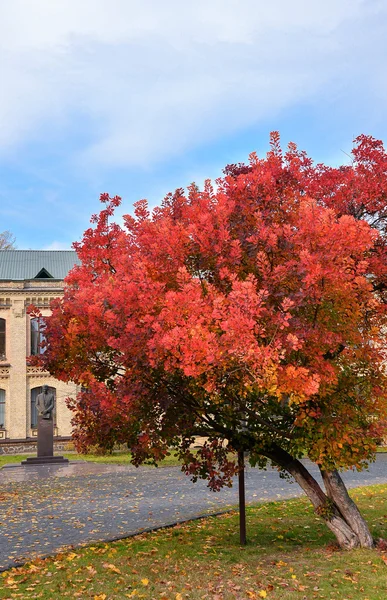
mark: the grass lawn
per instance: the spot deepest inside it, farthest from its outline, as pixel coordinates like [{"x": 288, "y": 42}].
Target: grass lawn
[
  {"x": 118, "y": 458},
  {"x": 290, "y": 555}
]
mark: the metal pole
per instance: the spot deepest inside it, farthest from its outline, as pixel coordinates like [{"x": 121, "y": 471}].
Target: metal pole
[{"x": 242, "y": 503}]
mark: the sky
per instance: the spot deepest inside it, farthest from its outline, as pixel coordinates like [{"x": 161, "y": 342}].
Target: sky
[{"x": 138, "y": 98}]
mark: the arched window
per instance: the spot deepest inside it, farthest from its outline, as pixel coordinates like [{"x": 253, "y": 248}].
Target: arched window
[
  {"x": 2, "y": 339},
  {"x": 37, "y": 336},
  {"x": 34, "y": 413},
  {"x": 2, "y": 409}
]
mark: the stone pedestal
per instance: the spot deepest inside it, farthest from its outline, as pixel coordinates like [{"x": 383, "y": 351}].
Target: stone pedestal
[
  {"x": 45, "y": 445},
  {"x": 45, "y": 437}
]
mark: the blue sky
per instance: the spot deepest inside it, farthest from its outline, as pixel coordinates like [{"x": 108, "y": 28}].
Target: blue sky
[{"x": 138, "y": 98}]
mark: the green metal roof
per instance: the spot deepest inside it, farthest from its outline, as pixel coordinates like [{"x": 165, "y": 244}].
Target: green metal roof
[{"x": 36, "y": 264}]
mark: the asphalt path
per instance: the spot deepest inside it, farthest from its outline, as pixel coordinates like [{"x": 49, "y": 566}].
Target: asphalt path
[{"x": 46, "y": 509}]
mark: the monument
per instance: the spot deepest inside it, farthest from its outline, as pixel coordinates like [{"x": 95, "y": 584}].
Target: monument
[{"x": 45, "y": 404}]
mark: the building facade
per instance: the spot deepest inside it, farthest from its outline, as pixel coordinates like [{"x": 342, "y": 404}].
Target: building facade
[{"x": 29, "y": 277}]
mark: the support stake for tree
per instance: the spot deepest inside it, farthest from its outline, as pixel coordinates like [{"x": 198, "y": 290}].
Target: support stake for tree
[{"x": 242, "y": 502}]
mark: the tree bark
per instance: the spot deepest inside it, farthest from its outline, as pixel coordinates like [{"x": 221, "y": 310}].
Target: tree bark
[
  {"x": 338, "y": 493},
  {"x": 339, "y": 512}
]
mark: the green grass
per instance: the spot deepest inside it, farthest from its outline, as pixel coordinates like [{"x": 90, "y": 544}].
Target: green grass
[
  {"x": 6, "y": 459},
  {"x": 117, "y": 458},
  {"x": 290, "y": 555}
]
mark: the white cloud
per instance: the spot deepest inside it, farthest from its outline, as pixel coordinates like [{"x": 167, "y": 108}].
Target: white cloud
[{"x": 146, "y": 80}]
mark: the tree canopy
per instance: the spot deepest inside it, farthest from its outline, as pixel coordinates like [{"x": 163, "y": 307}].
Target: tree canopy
[{"x": 251, "y": 312}]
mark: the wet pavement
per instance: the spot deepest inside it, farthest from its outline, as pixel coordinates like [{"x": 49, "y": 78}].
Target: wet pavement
[
  {"x": 46, "y": 509},
  {"x": 77, "y": 468}
]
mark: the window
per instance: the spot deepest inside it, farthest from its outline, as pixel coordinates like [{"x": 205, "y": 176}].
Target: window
[
  {"x": 2, "y": 409},
  {"x": 34, "y": 413},
  {"x": 37, "y": 336},
  {"x": 2, "y": 339},
  {"x": 43, "y": 274}
]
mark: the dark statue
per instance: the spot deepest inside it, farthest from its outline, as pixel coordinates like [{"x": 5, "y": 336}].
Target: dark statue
[{"x": 45, "y": 403}]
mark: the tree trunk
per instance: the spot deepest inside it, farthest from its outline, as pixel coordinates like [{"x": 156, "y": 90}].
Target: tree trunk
[
  {"x": 337, "y": 509},
  {"x": 337, "y": 492},
  {"x": 242, "y": 498}
]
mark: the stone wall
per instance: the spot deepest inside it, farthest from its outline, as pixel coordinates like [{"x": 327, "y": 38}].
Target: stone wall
[{"x": 30, "y": 446}]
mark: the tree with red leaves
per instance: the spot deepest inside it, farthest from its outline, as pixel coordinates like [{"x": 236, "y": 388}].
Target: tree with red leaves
[{"x": 251, "y": 314}]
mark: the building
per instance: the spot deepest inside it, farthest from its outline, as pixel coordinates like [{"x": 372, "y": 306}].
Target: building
[{"x": 28, "y": 277}]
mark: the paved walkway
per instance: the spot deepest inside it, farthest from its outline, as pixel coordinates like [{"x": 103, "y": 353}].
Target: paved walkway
[{"x": 46, "y": 509}]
